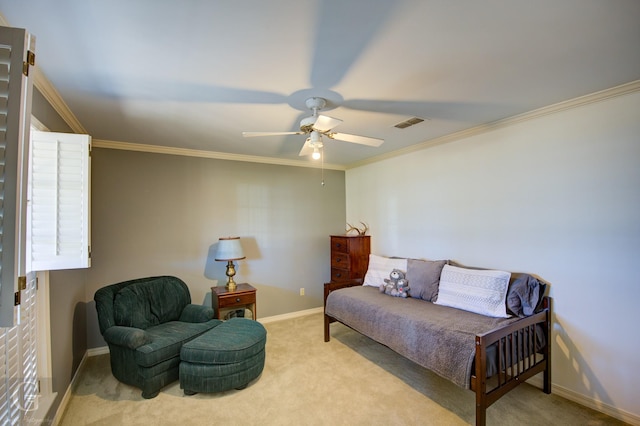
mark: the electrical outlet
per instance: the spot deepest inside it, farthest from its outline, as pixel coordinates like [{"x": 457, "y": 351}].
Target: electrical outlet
[{"x": 301, "y": 291}]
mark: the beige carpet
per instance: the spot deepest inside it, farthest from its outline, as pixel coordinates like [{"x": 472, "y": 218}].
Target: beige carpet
[{"x": 348, "y": 381}]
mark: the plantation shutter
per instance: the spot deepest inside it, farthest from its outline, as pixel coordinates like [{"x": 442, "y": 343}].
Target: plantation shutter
[
  {"x": 18, "y": 366},
  {"x": 15, "y": 114},
  {"x": 59, "y": 232}
]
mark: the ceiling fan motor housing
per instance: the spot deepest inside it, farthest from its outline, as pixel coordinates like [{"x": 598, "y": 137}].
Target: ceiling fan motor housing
[
  {"x": 306, "y": 124},
  {"x": 315, "y": 103}
]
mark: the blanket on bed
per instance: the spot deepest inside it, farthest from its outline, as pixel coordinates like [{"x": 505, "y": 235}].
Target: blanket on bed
[{"x": 436, "y": 337}]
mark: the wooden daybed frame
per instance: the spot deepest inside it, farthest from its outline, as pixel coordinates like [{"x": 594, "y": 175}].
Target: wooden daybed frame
[{"x": 515, "y": 338}]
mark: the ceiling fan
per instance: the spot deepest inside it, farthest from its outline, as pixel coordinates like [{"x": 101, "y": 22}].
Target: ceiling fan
[{"x": 316, "y": 126}]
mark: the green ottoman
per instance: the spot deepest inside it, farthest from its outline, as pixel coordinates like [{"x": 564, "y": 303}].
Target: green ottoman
[{"x": 226, "y": 357}]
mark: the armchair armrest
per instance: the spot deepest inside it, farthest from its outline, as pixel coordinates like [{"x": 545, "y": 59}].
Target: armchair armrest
[
  {"x": 196, "y": 313},
  {"x": 128, "y": 337}
]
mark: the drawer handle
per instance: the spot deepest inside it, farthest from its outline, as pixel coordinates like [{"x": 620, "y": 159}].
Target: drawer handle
[
  {"x": 338, "y": 245},
  {"x": 338, "y": 275},
  {"x": 338, "y": 260},
  {"x": 237, "y": 299}
]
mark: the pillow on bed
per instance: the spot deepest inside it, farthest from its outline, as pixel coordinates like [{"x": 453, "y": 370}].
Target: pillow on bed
[
  {"x": 380, "y": 267},
  {"x": 523, "y": 295},
  {"x": 423, "y": 277},
  {"x": 481, "y": 291}
]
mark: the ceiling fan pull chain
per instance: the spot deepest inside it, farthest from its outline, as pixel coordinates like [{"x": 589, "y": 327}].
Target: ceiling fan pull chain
[{"x": 322, "y": 167}]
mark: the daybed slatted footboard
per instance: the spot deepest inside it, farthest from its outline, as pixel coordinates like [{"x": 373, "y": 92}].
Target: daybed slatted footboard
[{"x": 513, "y": 351}]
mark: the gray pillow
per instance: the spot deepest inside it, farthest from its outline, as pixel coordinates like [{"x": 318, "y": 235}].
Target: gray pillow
[
  {"x": 523, "y": 295},
  {"x": 424, "y": 278}
]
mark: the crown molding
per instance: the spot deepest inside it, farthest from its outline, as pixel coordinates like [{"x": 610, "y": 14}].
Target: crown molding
[
  {"x": 44, "y": 86},
  {"x": 127, "y": 146},
  {"x": 623, "y": 89}
]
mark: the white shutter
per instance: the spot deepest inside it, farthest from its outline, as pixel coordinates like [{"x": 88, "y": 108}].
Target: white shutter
[
  {"x": 17, "y": 343},
  {"x": 18, "y": 359},
  {"x": 15, "y": 113},
  {"x": 59, "y": 206}
]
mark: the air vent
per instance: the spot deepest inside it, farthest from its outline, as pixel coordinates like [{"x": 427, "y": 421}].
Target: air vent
[{"x": 408, "y": 123}]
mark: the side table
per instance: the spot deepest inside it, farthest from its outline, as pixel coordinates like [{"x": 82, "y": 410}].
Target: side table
[{"x": 243, "y": 296}]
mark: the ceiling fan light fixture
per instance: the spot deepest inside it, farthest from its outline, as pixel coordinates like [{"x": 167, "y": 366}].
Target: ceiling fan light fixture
[{"x": 316, "y": 153}]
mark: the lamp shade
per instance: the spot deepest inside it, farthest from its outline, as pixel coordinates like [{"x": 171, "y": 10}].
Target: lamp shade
[{"x": 229, "y": 249}]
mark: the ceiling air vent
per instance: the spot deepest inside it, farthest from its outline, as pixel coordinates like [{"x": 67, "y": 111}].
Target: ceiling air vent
[{"x": 409, "y": 122}]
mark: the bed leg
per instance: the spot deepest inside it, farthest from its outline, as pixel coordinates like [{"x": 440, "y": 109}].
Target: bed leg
[
  {"x": 481, "y": 415},
  {"x": 547, "y": 352},
  {"x": 327, "y": 335}
]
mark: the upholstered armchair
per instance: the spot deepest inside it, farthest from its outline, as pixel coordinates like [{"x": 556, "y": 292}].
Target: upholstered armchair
[{"x": 145, "y": 322}]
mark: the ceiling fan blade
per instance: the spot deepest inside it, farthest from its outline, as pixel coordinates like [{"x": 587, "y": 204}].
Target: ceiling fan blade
[
  {"x": 325, "y": 123},
  {"x": 363, "y": 140},
  {"x": 254, "y": 134},
  {"x": 307, "y": 149}
]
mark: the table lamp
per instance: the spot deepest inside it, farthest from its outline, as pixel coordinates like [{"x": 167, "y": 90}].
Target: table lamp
[{"x": 229, "y": 249}]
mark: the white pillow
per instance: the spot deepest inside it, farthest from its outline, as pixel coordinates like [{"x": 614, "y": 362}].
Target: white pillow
[
  {"x": 380, "y": 267},
  {"x": 480, "y": 291}
]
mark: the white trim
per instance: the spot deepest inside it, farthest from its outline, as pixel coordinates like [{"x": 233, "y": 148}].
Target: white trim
[
  {"x": 596, "y": 404},
  {"x": 52, "y": 96},
  {"x": 43, "y": 342},
  {"x": 38, "y": 125},
  {"x": 291, "y": 315},
  {"x": 128, "y": 146},
  {"x": 102, "y": 350},
  {"x": 602, "y": 95},
  {"x": 593, "y": 403},
  {"x": 67, "y": 394}
]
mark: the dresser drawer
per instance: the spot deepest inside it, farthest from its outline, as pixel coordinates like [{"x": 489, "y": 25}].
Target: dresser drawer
[
  {"x": 340, "y": 274},
  {"x": 349, "y": 256},
  {"x": 339, "y": 244},
  {"x": 340, "y": 260}
]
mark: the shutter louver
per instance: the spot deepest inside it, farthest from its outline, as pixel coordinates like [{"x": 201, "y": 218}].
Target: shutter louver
[{"x": 59, "y": 225}]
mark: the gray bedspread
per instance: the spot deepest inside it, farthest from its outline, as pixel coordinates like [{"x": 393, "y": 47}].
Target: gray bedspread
[{"x": 436, "y": 337}]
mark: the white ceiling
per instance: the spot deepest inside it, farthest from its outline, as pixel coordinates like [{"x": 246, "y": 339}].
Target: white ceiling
[{"x": 196, "y": 73}]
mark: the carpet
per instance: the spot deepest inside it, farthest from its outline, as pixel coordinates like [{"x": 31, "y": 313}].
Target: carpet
[{"x": 351, "y": 380}]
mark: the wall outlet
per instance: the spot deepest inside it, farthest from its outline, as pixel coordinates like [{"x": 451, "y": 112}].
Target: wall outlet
[{"x": 302, "y": 292}]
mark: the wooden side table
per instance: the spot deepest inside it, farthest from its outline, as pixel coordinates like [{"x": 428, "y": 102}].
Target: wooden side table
[{"x": 243, "y": 296}]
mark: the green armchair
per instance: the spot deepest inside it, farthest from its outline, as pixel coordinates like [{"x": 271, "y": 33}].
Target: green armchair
[{"x": 145, "y": 322}]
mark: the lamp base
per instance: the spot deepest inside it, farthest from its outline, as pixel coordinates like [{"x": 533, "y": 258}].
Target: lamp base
[{"x": 231, "y": 271}]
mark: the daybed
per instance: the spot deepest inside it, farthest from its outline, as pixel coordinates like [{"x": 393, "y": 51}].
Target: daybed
[
  {"x": 453, "y": 323},
  {"x": 145, "y": 322}
]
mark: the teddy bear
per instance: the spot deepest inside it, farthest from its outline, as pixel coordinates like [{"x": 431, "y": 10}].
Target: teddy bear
[{"x": 396, "y": 285}]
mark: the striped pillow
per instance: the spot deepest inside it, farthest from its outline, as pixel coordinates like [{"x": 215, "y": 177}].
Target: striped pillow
[{"x": 481, "y": 291}]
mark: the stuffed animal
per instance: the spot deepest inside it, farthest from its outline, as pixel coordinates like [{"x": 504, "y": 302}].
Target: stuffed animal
[{"x": 396, "y": 285}]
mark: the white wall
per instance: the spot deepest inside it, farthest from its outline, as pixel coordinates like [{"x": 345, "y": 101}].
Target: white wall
[{"x": 557, "y": 196}]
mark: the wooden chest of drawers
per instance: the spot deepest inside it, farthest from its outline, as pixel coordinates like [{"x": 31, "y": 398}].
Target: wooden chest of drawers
[{"x": 349, "y": 256}]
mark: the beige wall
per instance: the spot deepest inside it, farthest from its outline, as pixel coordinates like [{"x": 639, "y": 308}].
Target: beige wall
[
  {"x": 156, "y": 214},
  {"x": 557, "y": 196}
]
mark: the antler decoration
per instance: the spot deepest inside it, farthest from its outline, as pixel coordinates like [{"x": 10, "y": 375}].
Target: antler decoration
[{"x": 362, "y": 231}]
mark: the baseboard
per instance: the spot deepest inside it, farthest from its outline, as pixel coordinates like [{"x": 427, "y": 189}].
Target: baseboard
[
  {"x": 98, "y": 351},
  {"x": 67, "y": 394},
  {"x": 609, "y": 410},
  {"x": 291, "y": 315}
]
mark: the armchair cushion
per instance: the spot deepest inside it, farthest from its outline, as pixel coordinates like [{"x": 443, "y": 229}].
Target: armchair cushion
[
  {"x": 141, "y": 305},
  {"x": 167, "y": 340},
  {"x": 128, "y": 337},
  {"x": 196, "y": 313}
]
